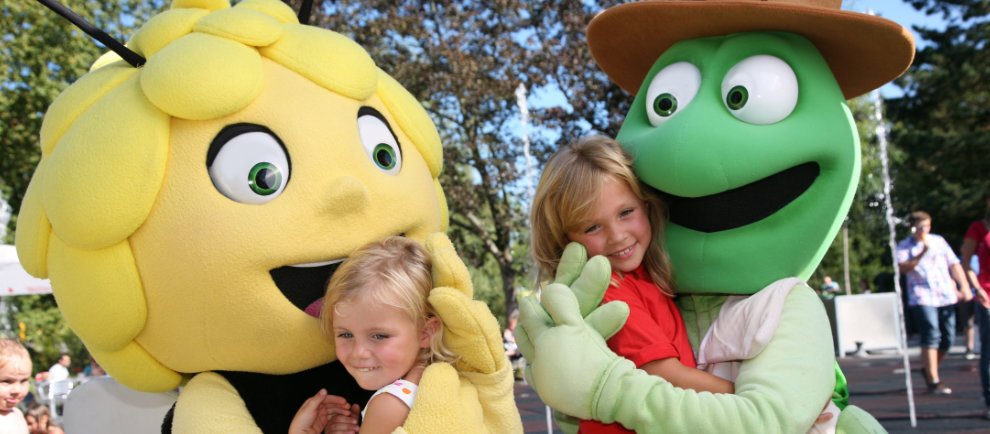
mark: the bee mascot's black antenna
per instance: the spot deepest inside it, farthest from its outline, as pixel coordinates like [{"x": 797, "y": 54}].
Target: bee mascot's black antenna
[
  {"x": 305, "y": 10},
  {"x": 135, "y": 59},
  {"x": 125, "y": 53}
]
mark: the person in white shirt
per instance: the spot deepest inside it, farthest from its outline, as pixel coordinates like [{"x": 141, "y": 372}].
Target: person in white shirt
[{"x": 60, "y": 370}]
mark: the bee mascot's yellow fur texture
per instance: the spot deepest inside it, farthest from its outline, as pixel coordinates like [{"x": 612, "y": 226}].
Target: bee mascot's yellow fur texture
[{"x": 190, "y": 211}]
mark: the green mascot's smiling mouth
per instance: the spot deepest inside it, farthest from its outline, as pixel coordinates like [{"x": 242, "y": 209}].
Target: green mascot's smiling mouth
[{"x": 744, "y": 205}]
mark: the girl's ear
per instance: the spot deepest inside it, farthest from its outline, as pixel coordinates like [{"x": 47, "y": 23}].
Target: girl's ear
[{"x": 431, "y": 328}]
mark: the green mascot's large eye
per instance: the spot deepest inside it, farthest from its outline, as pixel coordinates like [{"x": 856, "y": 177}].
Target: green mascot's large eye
[
  {"x": 379, "y": 141},
  {"x": 760, "y": 90},
  {"x": 665, "y": 104},
  {"x": 248, "y": 163},
  {"x": 737, "y": 98},
  {"x": 670, "y": 91}
]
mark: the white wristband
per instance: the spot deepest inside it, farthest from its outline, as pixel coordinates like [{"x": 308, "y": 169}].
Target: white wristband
[{"x": 402, "y": 389}]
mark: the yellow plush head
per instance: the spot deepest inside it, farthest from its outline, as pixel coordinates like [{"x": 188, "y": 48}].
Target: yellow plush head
[{"x": 188, "y": 212}]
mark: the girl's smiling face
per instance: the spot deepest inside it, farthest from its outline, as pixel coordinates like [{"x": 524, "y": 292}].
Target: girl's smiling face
[
  {"x": 14, "y": 377},
  {"x": 376, "y": 343},
  {"x": 618, "y": 227}
]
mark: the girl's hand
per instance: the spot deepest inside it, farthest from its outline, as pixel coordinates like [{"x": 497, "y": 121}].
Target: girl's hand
[
  {"x": 315, "y": 413},
  {"x": 344, "y": 420}
]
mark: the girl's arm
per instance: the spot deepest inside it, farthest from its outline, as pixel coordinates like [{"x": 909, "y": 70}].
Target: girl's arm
[
  {"x": 967, "y": 251},
  {"x": 688, "y": 378},
  {"x": 384, "y": 414}
]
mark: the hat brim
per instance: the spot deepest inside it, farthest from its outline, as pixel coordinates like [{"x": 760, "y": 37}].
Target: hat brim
[{"x": 863, "y": 51}]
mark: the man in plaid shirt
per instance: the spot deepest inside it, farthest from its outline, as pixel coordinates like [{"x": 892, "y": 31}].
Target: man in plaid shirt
[{"x": 931, "y": 267}]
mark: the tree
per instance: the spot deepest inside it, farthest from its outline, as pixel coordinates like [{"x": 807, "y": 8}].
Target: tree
[
  {"x": 40, "y": 56},
  {"x": 942, "y": 124},
  {"x": 593, "y": 102},
  {"x": 866, "y": 224},
  {"x": 464, "y": 61}
]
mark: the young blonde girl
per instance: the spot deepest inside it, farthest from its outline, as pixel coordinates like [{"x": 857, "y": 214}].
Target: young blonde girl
[
  {"x": 588, "y": 194},
  {"x": 385, "y": 334},
  {"x": 15, "y": 377}
]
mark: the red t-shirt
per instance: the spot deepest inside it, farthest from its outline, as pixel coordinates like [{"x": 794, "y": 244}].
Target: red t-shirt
[
  {"x": 978, "y": 232},
  {"x": 654, "y": 331}
]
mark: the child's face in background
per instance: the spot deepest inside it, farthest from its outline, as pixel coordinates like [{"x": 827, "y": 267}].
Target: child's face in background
[
  {"x": 618, "y": 227},
  {"x": 35, "y": 425},
  {"x": 14, "y": 377},
  {"x": 376, "y": 343}
]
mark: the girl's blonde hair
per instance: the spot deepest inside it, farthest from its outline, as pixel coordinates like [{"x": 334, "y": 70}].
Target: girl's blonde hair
[
  {"x": 568, "y": 193},
  {"x": 395, "y": 272},
  {"x": 11, "y": 349}
]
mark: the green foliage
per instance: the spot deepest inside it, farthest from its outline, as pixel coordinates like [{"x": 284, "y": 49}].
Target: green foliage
[
  {"x": 940, "y": 140},
  {"x": 942, "y": 124},
  {"x": 37, "y": 322},
  {"x": 866, "y": 225},
  {"x": 40, "y": 56},
  {"x": 464, "y": 62}
]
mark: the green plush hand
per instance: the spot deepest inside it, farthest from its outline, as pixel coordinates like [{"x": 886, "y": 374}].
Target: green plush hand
[
  {"x": 554, "y": 335},
  {"x": 854, "y": 420},
  {"x": 588, "y": 279},
  {"x": 568, "y": 424}
]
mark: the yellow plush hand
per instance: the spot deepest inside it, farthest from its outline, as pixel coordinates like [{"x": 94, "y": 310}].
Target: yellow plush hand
[
  {"x": 443, "y": 404},
  {"x": 470, "y": 329},
  {"x": 477, "y": 397},
  {"x": 448, "y": 269}
]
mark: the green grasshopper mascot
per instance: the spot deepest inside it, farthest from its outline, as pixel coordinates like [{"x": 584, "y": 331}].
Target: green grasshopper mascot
[{"x": 740, "y": 123}]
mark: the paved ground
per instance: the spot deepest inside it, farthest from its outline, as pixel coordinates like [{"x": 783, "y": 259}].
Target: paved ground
[{"x": 876, "y": 383}]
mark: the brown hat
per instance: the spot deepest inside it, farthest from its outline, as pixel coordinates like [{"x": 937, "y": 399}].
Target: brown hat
[{"x": 863, "y": 51}]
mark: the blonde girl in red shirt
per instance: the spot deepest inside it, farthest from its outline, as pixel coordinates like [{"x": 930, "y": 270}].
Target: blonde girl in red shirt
[{"x": 588, "y": 194}]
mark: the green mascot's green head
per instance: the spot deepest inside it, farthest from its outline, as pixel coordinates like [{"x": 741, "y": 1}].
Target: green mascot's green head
[{"x": 740, "y": 122}]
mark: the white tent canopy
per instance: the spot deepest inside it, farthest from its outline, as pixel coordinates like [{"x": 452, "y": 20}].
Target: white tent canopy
[{"x": 14, "y": 280}]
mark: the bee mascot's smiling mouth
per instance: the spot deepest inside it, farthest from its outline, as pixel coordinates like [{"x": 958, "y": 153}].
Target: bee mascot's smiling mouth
[
  {"x": 305, "y": 284},
  {"x": 743, "y": 205}
]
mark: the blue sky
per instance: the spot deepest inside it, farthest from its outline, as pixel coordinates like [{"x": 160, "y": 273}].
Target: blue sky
[
  {"x": 896, "y": 10},
  {"x": 901, "y": 13}
]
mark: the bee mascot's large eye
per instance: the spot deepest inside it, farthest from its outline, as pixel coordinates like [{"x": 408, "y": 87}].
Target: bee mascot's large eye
[
  {"x": 248, "y": 163},
  {"x": 379, "y": 141}
]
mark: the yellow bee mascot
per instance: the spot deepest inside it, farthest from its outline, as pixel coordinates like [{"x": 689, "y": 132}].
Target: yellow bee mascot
[{"x": 190, "y": 212}]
